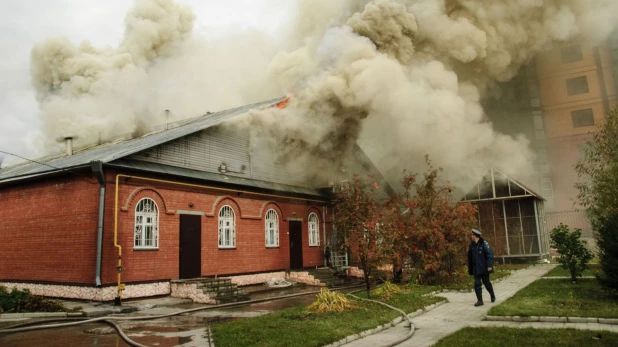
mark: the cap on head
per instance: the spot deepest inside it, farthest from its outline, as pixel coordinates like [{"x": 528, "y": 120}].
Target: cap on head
[{"x": 476, "y": 232}]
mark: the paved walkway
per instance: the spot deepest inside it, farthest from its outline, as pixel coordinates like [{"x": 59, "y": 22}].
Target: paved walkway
[{"x": 459, "y": 312}]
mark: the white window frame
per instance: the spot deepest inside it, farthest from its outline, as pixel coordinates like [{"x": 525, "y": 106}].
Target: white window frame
[
  {"x": 146, "y": 216},
  {"x": 314, "y": 230},
  {"x": 271, "y": 227},
  {"x": 227, "y": 227}
]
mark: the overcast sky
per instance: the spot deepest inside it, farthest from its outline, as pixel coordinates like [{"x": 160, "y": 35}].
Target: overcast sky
[{"x": 24, "y": 23}]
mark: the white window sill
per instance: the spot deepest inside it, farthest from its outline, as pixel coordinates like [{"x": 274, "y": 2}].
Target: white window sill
[
  {"x": 145, "y": 248},
  {"x": 228, "y": 247},
  {"x": 316, "y": 245},
  {"x": 272, "y": 246}
]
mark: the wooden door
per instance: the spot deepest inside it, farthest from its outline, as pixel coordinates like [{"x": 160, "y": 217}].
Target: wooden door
[
  {"x": 190, "y": 246},
  {"x": 296, "y": 245}
]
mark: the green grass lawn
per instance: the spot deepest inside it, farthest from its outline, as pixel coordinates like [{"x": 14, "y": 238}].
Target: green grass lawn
[
  {"x": 299, "y": 327},
  {"x": 558, "y": 297},
  {"x": 561, "y": 272},
  {"x": 492, "y": 337}
]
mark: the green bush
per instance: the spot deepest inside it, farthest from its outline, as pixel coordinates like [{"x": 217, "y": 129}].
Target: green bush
[
  {"x": 574, "y": 255},
  {"x": 607, "y": 244},
  {"x": 597, "y": 183},
  {"x": 18, "y": 301}
]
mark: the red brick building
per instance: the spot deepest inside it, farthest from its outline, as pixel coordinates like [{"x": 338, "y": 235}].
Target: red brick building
[{"x": 191, "y": 201}]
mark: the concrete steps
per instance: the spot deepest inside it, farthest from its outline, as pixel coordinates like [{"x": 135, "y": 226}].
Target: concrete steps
[{"x": 221, "y": 290}]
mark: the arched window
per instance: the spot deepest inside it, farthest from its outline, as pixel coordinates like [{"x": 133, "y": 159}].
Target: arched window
[
  {"x": 227, "y": 227},
  {"x": 272, "y": 229},
  {"x": 146, "y": 224},
  {"x": 314, "y": 230}
]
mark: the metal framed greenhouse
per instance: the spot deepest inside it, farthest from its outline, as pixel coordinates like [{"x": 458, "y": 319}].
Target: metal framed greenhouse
[{"x": 510, "y": 216}]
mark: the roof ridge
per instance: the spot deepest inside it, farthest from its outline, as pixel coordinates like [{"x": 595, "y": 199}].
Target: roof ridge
[{"x": 122, "y": 147}]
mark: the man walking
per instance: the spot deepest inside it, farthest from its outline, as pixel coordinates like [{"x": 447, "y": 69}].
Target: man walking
[{"x": 480, "y": 264}]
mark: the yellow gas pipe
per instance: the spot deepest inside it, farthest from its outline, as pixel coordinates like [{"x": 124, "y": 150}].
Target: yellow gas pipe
[
  {"x": 119, "y": 266},
  {"x": 120, "y": 287}
]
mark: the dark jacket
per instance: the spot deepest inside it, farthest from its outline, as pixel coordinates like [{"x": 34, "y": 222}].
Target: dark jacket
[{"x": 480, "y": 257}]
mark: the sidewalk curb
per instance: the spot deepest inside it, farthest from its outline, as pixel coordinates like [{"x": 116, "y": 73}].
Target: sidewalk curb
[
  {"x": 122, "y": 310},
  {"x": 41, "y": 315},
  {"x": 211, "y": 343},
  {"x": 98, "y": 313},
  {"x": 552, "y": 319},
  {"x": 386, "y": 326}
]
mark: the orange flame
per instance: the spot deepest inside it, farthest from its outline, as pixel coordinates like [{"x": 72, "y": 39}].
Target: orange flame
[{"x": 283, "y": 103}]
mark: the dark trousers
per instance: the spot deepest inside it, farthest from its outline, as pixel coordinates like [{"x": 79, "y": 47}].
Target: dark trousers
[{"x": 478, "y": 289}]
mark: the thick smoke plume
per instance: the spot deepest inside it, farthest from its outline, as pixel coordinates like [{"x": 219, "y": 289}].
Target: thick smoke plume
[
  {"x": 403, "y": 78},
  {"x": 99, "y": 94}
]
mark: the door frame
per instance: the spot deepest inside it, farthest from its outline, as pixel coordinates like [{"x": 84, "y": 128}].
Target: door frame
[
  {"x": 196, "y": 246},
  {"x": 297, "y": 256}
]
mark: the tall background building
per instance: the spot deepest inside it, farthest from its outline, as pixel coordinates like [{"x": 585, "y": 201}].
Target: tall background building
[{"x": 558, "y": 101}]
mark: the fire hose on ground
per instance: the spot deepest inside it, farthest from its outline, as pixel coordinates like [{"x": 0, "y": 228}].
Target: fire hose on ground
[
  {"x": 111, "y": 320},
  {"x": 404, "y": 315}
]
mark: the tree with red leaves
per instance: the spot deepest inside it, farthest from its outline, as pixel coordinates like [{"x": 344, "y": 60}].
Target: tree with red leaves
[
  {"x": 357, "y": 216},
  {"x": 428, "y": 228}
]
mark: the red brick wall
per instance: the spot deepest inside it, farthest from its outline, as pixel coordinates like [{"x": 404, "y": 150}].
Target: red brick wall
[
  {"x": 250, "y": 254},
  {"x": 48, "y": 230}
]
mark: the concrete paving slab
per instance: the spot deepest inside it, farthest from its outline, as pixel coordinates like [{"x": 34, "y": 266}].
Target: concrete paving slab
[
  {"x": 11, "y": 315},
  {"x": 582, "y": 320}
]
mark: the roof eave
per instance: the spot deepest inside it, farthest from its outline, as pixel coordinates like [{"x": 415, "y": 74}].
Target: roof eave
[
  {"x": 278, "y": 189},
  {"x": 33, "y": 176}
]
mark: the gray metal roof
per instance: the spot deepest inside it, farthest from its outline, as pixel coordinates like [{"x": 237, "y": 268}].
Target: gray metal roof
[
  {"x": 114, "y": 150},
  {"x": 493, "y": 176}
]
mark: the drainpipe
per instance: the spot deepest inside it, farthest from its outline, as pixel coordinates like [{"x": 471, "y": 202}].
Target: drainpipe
[
  {"x": 120, "y": 285},
  {"x": 97, "y": 169},
  {"x": 597, "y": 58},
  {"x": 324, "y": 232}
]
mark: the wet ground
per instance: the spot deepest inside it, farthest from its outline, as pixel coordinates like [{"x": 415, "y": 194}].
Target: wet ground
[
  {"x": 174, "y": 331},
  {"x": 63, "y": 337},
  {"x": 182, "y": 330}
]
